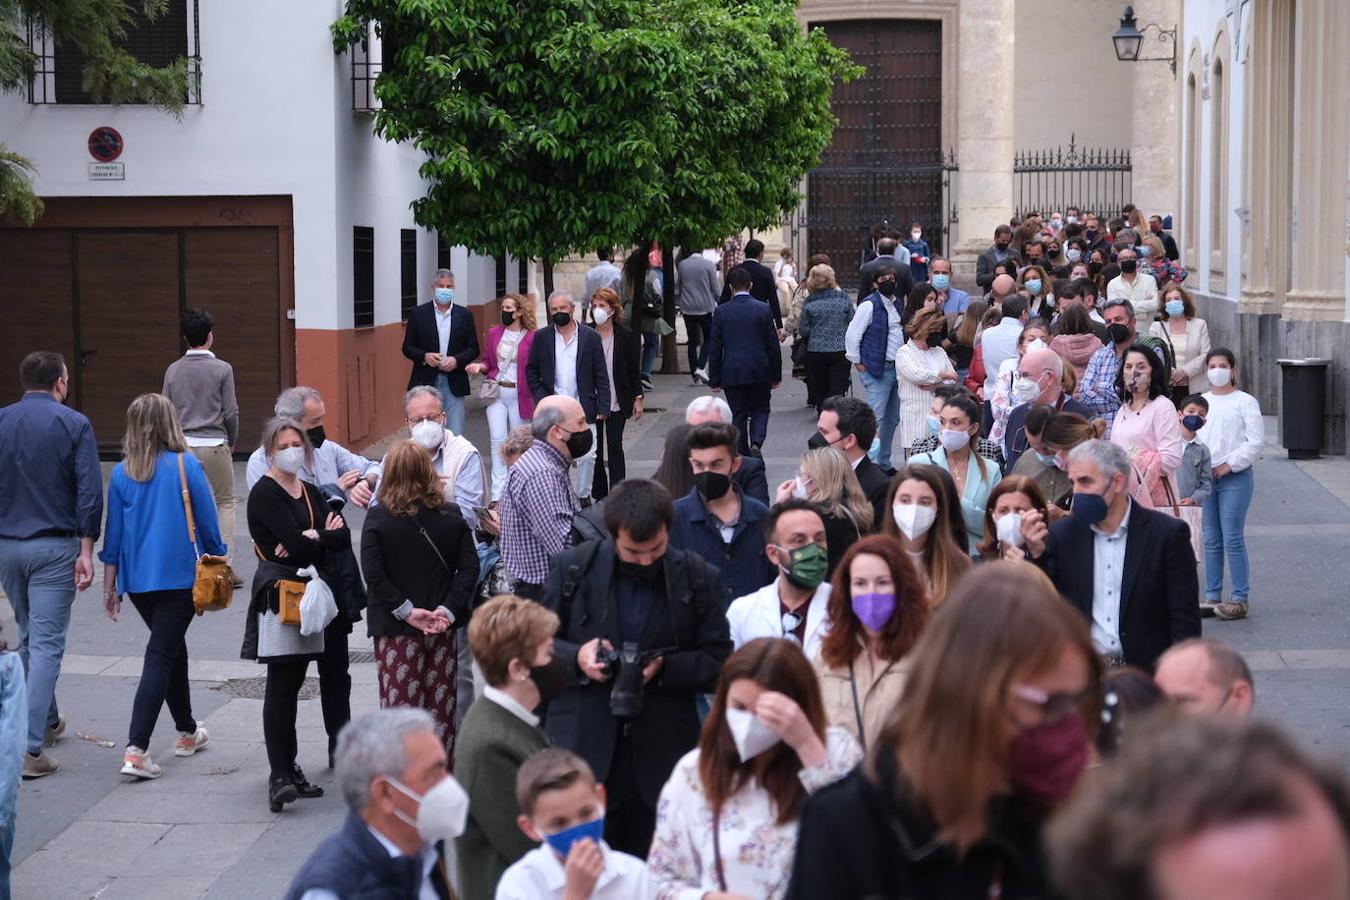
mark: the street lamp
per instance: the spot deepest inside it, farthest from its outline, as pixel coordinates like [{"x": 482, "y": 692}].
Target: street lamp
[{"x": 1129, "y": 38}]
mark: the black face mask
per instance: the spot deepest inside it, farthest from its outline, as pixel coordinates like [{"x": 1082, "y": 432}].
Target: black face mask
[
  {"x": 816, "y": 441},
  {"x": 886, "y": 288},
  {"x": 562, "y": 319},
  {"x": 1090, "y": 234},
  {"x": 579, "y": 442},
  {"x": 1095, "y": 268},
  {"x": 1117, "y": 333},
  {"x": 552, "y": 679},
  {"x": 643, "y": 571},
  {"x": 1128, "y": 266},
  {"x": 316, "y": 436},
  {"x": 1003, "y": 246},
  {"x": 712, "y": 485},
  {"x": 508, "y": 317}
]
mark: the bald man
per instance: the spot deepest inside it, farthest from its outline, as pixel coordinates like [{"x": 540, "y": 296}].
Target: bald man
[
  {"x": 1040, "y": 371},
  {"x": 1004, "y": 286},
  {"x": 1206, "y": 676}
]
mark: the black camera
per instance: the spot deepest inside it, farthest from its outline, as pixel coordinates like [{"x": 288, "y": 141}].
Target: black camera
[
  {"x": 333, "y": 496},
  {"x": 625, "y": 666}
]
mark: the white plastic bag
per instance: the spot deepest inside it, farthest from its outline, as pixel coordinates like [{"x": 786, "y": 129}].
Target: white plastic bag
[{"x": 317, "y": 607}]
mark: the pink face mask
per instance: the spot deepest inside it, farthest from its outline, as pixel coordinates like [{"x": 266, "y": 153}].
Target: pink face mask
[{"x": 1044, "y": 762}]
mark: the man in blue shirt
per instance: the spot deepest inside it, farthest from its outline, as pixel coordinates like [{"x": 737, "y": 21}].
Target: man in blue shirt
[{"x": 51, "y": 503}]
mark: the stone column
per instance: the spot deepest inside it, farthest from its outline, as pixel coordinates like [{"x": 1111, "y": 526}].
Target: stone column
[
  {"x": 984, "y": 185},
  {"x": 1153, "y": 109}
]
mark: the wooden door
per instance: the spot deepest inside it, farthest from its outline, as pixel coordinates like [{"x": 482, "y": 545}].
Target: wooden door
[{"x": 37, "y": 297}]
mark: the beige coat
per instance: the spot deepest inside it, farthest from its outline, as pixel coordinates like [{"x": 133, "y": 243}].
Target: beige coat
[{"x": 878, "y": 695}]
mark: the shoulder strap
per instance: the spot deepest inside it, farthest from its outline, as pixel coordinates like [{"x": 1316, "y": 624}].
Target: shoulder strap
[
  {"x": 427, "y": 537},
  {"x": 857, "y": 706},
  {"x": 187, "y": 503},
  {"x": 572, "y": 580}
]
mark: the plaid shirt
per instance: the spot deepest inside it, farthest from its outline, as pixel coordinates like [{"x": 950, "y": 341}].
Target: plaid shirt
[
  {"x": 536, "y": 512},
  {"x": 1097, "y": 390},
  {"x": 983, "y": 446}
]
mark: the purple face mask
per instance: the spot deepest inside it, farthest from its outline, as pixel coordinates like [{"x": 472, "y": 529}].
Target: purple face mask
[{"x": 873, "y": 610}]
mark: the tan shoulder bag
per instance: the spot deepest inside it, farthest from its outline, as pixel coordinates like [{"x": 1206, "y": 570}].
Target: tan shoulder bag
[{"x": 213, "y": 587}]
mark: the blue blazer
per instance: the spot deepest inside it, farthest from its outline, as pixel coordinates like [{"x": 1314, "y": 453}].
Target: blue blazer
[
  {"x": 744, "y": 566},
  {"x": 420, "y": 338},
  {"x": 743, "y": 348},
  {"x": 541, "y": 369}
]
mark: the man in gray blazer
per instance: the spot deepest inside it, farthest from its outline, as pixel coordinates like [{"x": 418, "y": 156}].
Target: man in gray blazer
[{"x": 700, "y": 287}]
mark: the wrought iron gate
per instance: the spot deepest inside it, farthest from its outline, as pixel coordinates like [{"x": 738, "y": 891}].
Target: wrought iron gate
[{"x": 1093, "y": 179}]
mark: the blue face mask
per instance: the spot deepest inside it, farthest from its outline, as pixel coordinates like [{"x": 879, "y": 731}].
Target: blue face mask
[
  {"x": 1046, "y": 459},
  {"x": 1034, "y": 285},
  {"x": 942, "y": 281},
  {"x": 1175, "y": 308},
  {"x": 1193, "y": 423},
  {"x": 1089, "y": 508},
  {"x": 934, "y": 425},
  {"x": 562, "y": 842},
  {"x": 445, "y": 296},
  {"x": 1144, "y": 251}
]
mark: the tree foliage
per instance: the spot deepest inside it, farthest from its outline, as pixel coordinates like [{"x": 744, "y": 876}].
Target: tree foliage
[{"x": 553, "y": 126}]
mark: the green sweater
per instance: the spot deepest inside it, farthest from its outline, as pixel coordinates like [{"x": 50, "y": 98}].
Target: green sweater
[{"x": 491, "y": 744}]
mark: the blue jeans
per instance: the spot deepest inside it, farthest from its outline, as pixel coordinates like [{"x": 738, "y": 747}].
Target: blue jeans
[
  {"x": 38, "y": 575},
  {"x": 651, "y": 342},
  {"x": 884, "y": 399},
  {"x": 1225, "y": 519},
  {"x": 13, "y": 736},
  {"x": 453, "y": 406}
]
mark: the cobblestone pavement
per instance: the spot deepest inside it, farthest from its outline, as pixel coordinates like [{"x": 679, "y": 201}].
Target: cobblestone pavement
[{"x": 203, "y": 830}]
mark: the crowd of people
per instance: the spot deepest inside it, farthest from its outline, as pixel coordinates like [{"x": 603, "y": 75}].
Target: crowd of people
[{"x": 939, "y": 678}]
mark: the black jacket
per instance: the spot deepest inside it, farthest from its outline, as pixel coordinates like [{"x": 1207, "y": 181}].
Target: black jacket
[
  {"x": 400, "y": 565},
  {"x": 762, "y": 287},
  {"x": 627, "y": 368},
  {"x": 354, "y": 865},
  {"x": 1160, "y": 595},
  {"x": 692, "y": 604},
  {"x": 984, "y": 267},
  {"x": 420, "y": 338},
  {"x": 863, "y": 841},
  {"x": 875, "y": 485},
  {"x": 751, "y": 480},
  {"x": 592, "y": 379}
]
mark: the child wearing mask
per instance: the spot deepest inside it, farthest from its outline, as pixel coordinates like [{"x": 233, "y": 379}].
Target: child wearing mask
[
  {"x": 563, "y": 808},
  {"x": 1195, "y": 476},
  {"x": 919, "y": 253}
]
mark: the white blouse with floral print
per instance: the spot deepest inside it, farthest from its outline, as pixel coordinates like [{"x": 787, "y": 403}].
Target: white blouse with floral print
[{"x": 756, "y": 851}]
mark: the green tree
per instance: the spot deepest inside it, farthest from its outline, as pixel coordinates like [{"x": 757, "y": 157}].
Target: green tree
[{"x": 93, "y": 29}]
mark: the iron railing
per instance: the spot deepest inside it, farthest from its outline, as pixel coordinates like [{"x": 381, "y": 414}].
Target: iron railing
[{"x": 1092, "y": 179}]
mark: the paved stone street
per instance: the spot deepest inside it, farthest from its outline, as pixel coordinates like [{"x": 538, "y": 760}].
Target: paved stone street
[{"x": 204, "y": 830}]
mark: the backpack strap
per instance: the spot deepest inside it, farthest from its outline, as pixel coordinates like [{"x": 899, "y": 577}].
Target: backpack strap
[{"x": 572, "y": 578}]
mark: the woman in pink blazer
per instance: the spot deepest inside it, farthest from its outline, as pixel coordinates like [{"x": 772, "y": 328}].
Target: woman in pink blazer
[{"x": 508, "y": 349}]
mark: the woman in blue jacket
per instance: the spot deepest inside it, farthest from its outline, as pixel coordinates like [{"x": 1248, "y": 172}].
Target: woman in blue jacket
[{"x": 147, "y": 555}]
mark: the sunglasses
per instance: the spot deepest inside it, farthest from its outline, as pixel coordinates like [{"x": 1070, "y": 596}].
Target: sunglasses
[{"x": 791, "y": 622}]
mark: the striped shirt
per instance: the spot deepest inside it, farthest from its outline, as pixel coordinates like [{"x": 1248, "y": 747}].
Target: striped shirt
[{"x": 536, "y": 512}]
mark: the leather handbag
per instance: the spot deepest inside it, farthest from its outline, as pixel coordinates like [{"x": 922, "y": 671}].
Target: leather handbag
[
  {"x": 213, "y": 585},
  {"x": 489, "y": 390},
  {"x": 290, "y": 594}
]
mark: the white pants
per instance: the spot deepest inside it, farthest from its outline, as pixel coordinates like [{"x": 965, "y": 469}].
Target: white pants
[
  {"x": 583, "y": 474},
  {"x": 503, "y": 414}
]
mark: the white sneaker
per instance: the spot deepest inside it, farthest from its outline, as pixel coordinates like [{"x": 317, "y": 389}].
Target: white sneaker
[
  {"x": 137, "y": 762},
  {"x": 189, "y": 742}
]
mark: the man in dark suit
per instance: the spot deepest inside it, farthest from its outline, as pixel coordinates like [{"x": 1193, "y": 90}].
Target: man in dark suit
[
  {"x": 664, "y": 610},
  {"x": 744, "y": 360},
  {"x": 763, "y": 286},
  {"x": 1129, "y": 570},
  {"x": 568, "y": 358},
  {"x": 441, "y": 339},
  {"x": 750, "y": 477},
  {"x": 889, "y": 251},
  {"x": 1001, "y": 250},
  {"x": 849, "y": 425}
]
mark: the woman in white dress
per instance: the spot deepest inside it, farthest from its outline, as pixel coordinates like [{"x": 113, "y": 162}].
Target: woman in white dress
[
  {"x": 726, "y": 823},
  {"x": 920, "y": 368}
]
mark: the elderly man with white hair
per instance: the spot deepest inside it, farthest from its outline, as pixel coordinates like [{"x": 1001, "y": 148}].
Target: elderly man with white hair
[
  {"x": 568, "y": 358},
  {"x": 403, "y": 806},
  {"x": 1040, "y": 380},
  {"x": 750, "y": 477},
  {"x": 456, "y": 460},
  {"x": 332, "y": 463}
]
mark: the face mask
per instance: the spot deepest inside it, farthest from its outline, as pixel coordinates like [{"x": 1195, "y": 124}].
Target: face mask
[
  {"x": 953, "y": 440},
  {"x": 914, "y": 235},
  {"x": 1002, "y": 246},
  {"x": 1047, "y": 459},
  {"x": 429, "y": 434},
  {"x": 1055, "y": 223},
  {"x": 1220, "y": 377},
  {"x": 579, "y": 442},
  {"x": 886, "y": 288},
  {"x": 712, "y": 485},
  {"x": 817, "y": 441},
  {"x": 750, "y": 735},
  {"x": 913, "y": 520},
  {"x": 289, "y": 460},
  {"x": 508, "y": 317},
  {"x": 1009, "y": 529},
  {"x": 1037, "y": 344},
  {"x": 601, "y": 316},
  {"x": 1071, "y": 219},
  {"x": 1091, "y": 234},
  {"x": 873, "y": 610},
  {"x": 942, "y": 281},
  {"x": 1145, "y": 250},
  {"x": 1192, "y": 423},
  {"x": 1089, "y": 508},
  {"x": 445, "y": 296},
  {"x": 934, "y": 425},
  {"x": 1175, "y": 308},
  {"x": 1156, "y": 229},
  {"x": 1128, "y": 266},
  {"x": 806, "y": 565},
  {"x": 1024, "y": 390},
  {"x": 316, "y": 436},
  {"x": 552, "y": 679},
  {"x": 1033, "y": 285},
  {"x": 1095, "y": 267},
  {"x": 441, "y": 811},
  {"x": 561, "y": 843},
  {"x": 562, "y": 319},
  {"x": 647, "y": 572},
  {"x": 1044, "y": 762},
  {"x": 1073, "y": 254},
  {"x": 799, "y": 489},
  {"x": 1117, "y": 333}
]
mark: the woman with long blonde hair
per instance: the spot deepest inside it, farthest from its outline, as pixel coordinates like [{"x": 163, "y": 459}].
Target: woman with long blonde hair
[
  {"x": 826, "y": 478},
  {"x": 149, "y": 555}
]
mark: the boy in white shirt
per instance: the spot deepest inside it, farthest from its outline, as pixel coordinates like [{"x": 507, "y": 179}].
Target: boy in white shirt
[{"x": 563, "y": 808}]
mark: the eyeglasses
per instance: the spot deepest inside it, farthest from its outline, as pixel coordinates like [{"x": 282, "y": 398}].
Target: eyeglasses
[
  {"x": 1054, "y": 707},
  {"x": 419, "y": 421},
  {"x": 791, "y": 622}
]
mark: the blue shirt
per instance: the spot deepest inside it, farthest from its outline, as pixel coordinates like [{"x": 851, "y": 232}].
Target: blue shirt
[
  {"x": 50, "y": 483},
  {"x": 147, "y": 536}
]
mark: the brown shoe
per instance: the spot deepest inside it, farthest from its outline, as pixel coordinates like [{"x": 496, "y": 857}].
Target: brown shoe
[
  {"x": 1230, "y": 611},
  {"x": 54, "y": 732},
  {"x": 37, "y": 765}
]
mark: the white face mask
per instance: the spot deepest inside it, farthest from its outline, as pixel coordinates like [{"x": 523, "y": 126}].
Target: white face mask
[
  {"x": 1024, "y": 390},
  {"x": 1010, "y": 529},
  {"x": 289, "y": 460},
  {"x": 913, "y": 520},
  {"x": 799, "y": 488},
  {"x": 751, "y": 736},
  {"x": 953, "y": 439},
  {"x": 600, "y": 315},
  {"x": 1220, "y": 377},
  {"x": 429, "y": 434},
  {"x": 1037, "y": 344},
  {"x": 441, "y": 811}
]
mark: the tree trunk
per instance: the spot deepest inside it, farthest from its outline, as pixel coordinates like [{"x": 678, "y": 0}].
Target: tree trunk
[
  {"x": 548, "y": 279},
  {"x": 670, "y": 351}
]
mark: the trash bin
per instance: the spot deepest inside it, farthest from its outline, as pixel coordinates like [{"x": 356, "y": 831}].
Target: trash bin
[{"x": 1303, "y": 401}]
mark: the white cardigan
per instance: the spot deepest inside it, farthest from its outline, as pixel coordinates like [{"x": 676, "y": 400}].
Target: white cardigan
[{"x": 756, "y": 615}]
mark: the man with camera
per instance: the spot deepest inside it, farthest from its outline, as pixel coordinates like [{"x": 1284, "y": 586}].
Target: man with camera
[{"x": 647, "y": 626}]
